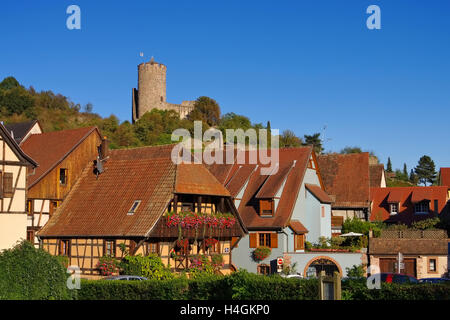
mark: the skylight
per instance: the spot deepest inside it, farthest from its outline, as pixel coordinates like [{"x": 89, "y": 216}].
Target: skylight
[{"x": 134, "y": 207}]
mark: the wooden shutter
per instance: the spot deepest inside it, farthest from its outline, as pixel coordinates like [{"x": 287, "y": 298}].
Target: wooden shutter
[
  {"x": 234, "y": 241},
  {"x": 274, "y": 240},
  {"x": 8, "y": 184},
  {"x": 253, "y": 240},
  {"x": 299, "y": 241}
]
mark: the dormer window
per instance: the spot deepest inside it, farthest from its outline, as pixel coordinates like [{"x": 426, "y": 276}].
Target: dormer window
[
  {"x": 266, "y": 207},
  {"x": 422, "y": 207},
  {"x": 134, "y": 207},
  {"x": 393, "y": 208}
]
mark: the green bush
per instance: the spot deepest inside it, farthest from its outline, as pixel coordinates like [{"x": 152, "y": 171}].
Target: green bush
[
  {"x": 150, "y": 266},
  {"x": 239, "y": 285},
  {"x": 357, "y": 290},
  {"x": 27, "y": 273},
  {"x": 359, "y": 226}
]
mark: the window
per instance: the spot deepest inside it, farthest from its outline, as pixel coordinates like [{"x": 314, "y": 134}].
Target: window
[
  {"x": 264, "y": 240},
  {"x": 64, "y": 248},
  {"x": 264, "y": 269},
  {"x": 422, "y": 207},
  {"x": 266, "y": 207},
  {"x": 30, "y": 235},
  {"x": 62, "y": 176},
  {"x": 393, "y": 208},
  {"x": 152, "y": 248},
  {"x": 436, "y": 206},
  {"x": 53, "y": 206},
  {"x": 299, "y": 242},
  {"x": 109, "y": 249},
  {"x": 7, "y": 184},
  {"x": 432, "y": 265},
  {"x": 323, "y": 211},
  {"x": 134, "y": 207},
  {"x": 30, "y": 207}
]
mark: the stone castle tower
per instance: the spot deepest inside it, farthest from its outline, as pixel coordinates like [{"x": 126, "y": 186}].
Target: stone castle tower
[{"x": 151, "y": 92}]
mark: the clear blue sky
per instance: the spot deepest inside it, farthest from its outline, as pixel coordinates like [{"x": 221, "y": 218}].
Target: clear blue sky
[{"x": 302, "y": 65}]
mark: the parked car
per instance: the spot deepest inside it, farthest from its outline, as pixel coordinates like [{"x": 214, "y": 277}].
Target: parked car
[
  {"x": 125, "y": 277},
  {"x": 397, "y": 278},
  {"x": 292, "y": 276},
  {"x": 434, "y": 280}
]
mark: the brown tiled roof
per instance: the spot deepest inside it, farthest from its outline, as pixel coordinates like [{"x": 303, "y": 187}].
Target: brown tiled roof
[
  {"x": 445, "y": 177},
  {"x": 99, "y": 207},
  {"x": 346, "y": 176},
  {"x": 297, "y": 227},
  {"x": 407, "y": 197},
  {"x": 319, "y": 193},
  {"x": 380, "y": 246},
  {"x": 196, "y": 179},
  {"x": 376, "y": 173},
  {"x": 50, "y": 148}
]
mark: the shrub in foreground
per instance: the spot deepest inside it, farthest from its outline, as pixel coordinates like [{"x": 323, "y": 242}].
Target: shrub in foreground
[{"x": 27, "y": 273}]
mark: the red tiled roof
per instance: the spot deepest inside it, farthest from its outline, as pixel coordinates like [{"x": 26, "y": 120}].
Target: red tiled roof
[
  {"x": 346, "y": 176},
  {"x": 376, "y": 174},
  {"x": 407, "y": 197},
  {"x": 297, "y": 227},
  {"x": 274, "y": 182},
  {"x": 319, "y": 193},
  {"x": 445, "y": 177},
  {"x": 50, "y": 148},
  {"x": 99, "y": 207},
  {"x": 239, "y": 178},
  {"x": 292, "y": 167}
]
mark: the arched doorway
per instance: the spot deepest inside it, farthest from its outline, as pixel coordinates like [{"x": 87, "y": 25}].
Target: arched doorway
[{"x": 318, "y": 264}]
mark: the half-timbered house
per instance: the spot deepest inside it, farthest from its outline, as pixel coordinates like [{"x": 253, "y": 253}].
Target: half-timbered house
[
  {"x": 138, "y": 203},
  {"x": 62, "y": 156},
  {"x": 282, "y": 211},
  {"x": 22, "y": 130},
  {"x": 13, "y": 178}
]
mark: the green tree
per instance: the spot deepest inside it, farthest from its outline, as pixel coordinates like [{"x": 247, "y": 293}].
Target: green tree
[
  {"x": 425, "y": 170},
  {"x": 9, "y": 83},
  {"x": 389, "y": 165},
  {"x": 405, "y": 172},
  {"x": 349, "y": 150},
  {"x": 289, "y": 139},
  {"x": 412, "y": 177},
  {"x": 205, "y": 109},
  {"x": 315, "y": 141}
]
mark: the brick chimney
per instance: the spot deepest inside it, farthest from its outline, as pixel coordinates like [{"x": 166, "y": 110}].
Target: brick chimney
[{"x": 104, "y": 148}]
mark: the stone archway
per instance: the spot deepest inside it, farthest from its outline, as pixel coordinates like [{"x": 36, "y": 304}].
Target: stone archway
[{"x": 328, "y": 264}]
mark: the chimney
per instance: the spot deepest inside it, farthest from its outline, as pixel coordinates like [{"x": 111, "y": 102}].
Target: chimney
[{"x": 104, "y": 147}]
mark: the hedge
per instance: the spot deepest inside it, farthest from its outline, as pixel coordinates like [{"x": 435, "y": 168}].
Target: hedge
[
  {"x": 27, "y": 273},
  {"x": 357, "y": 290},
  {"x": 247, "y": 286},
  {"x": 239, "y": 286}
]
